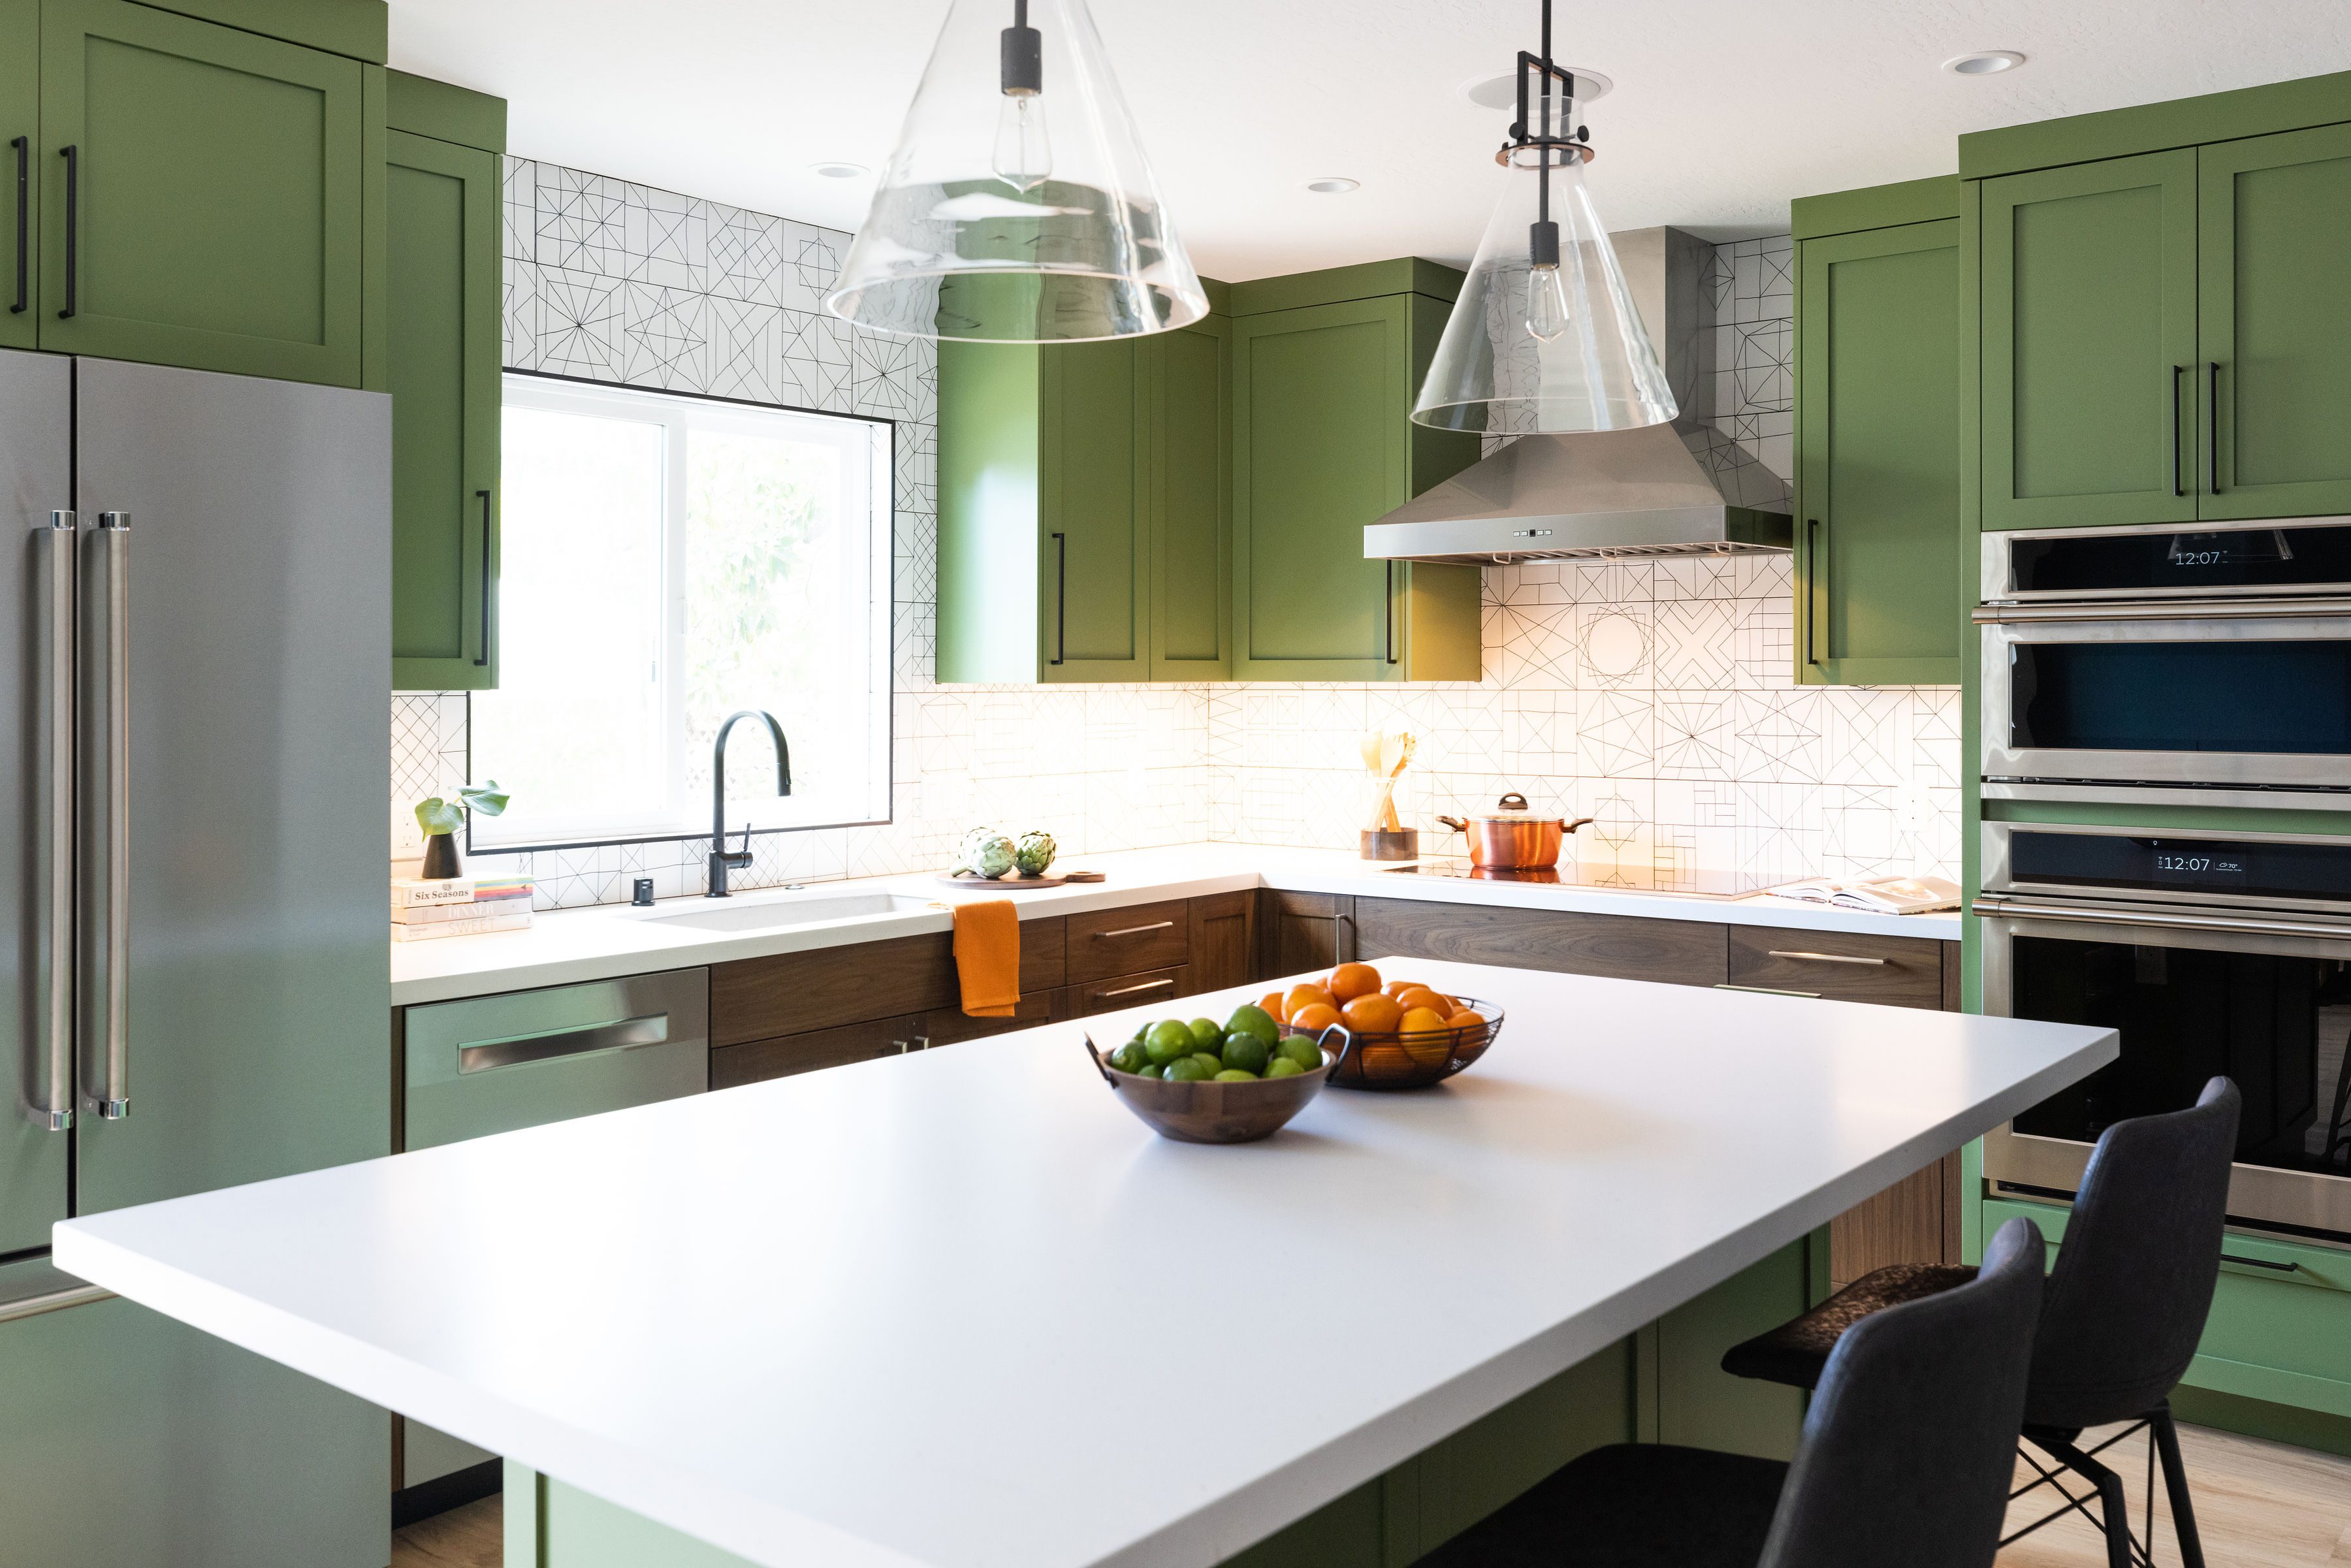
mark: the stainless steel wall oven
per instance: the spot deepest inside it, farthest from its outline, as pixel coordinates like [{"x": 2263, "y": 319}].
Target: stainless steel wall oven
[
  {"x": 2211, "y": 953},
  {"x": 2212, "y": 664}
]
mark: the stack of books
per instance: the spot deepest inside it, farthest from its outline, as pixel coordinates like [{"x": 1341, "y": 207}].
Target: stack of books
[{"x": 458, "y": 906}]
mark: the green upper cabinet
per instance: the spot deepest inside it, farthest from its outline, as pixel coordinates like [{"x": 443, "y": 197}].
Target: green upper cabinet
[
  {"x": 2091, "y": 389},
  {"x": 2273, "y": 289},
  {"x": 1081, "y": 509},
  {"x": 1323, "y": 445},
  {"x": 1878, "y": 560},
  {"x": 215, "y": 181},
  {"x": 443, "y": 350},
  {"x": 20, "y": 131}
]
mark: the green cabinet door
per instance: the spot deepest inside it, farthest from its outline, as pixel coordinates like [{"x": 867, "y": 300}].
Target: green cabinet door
[
  {"x": 215, "y": 181},
  {"x": 21, "y": 166},
  {"x": 1094, "y": 562},
  {"x": 2090, "y": 392},
  {"x": 2273, "y": 289},
  {"x": 1184, "y": 420},
  {"x": 1323, "y": 446},
  {"x": 443, "y": 343},
  {"x": 1878, "y": 554}
]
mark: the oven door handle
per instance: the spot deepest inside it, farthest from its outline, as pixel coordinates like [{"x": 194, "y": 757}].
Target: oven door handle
[
  {"x": 1992, "y": 904},
  {"x": 2163, "y": 610}
]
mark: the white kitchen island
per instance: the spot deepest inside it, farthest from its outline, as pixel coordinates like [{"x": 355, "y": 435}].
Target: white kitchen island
[{"x": 960, "y": 1309}]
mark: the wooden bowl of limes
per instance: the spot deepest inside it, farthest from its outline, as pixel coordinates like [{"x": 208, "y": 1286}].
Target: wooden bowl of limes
[{"x": 1258, "y": 1082}]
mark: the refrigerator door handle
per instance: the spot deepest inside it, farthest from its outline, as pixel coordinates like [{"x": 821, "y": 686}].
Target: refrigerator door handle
[
  {"x": 55, "y": 1109},
  {"x": 112, "y": 1098}
]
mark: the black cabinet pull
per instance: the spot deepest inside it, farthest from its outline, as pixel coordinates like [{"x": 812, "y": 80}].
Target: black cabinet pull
[
  {"x": 2178, "y": 487},
  {"x": 1390, "y": 633},
  {"x": 1811, "y": 590},
  {"x": 2259, "y": 1263},
  {"x": 73, "y": 231},
  {"x": 24, "y": 146},
  {"x": 1060, "y": 597},
  {"x": 2212, "y": 445},
  {"x": 483, "y": 658}
]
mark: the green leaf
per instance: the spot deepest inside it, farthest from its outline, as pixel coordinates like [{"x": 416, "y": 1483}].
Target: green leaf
[
  {"x": 486, "y": 798},
  {"x": 439, "y": 816}
]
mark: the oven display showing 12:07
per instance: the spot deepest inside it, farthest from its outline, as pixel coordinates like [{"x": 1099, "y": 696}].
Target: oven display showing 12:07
[{"x": 2198, "y": 868}]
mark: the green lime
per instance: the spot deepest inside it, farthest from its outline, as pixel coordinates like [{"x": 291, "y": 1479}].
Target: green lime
[
  {"x": 1186, "y": 1069},
  {"x": 1150, "y": 1072},
  {"x": 1251, "y": 1018},
  {"x": 1282, "y": 1067},
  {"x": 1246, "y": 1052},
  {"x": 1210, "y": 1059},
  {"x": 1235, "y": 1075},
  {"x": 1131, "y": 1057},
  {"x": 1301, "y": 1049},
  {"x": 1206, "y": 1035},
  {"x": 1167, "y": 1040}
]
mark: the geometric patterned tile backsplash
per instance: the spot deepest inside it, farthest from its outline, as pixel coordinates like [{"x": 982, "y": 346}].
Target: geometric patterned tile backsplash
[{"x": 1654, "y": 697}]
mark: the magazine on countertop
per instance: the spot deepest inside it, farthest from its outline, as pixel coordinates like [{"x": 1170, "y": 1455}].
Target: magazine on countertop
[{"x": 1877, "y": 895}]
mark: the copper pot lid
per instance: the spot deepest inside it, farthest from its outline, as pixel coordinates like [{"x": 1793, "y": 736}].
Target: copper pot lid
[{"x": 1512, "y": 807}]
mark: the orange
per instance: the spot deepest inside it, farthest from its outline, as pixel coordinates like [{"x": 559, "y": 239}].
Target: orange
[
  {"x": 1373, "y": 1014},
  {"x": 1314, "y": 1018},
  {"x": 1349, "y": 981},
  {"x": 1465, "y": 1018},
  {"x": 1307, "y": 996},
  {"x": 1412, "y": 996},
  {"x": 1397, "y": 988},
  {"x": 1422, "y": 1020},
  {"x": 1271, "y": 1003}
]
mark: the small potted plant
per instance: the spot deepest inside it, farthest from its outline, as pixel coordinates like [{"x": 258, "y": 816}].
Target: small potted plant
[{"x": 440, "y": 818}]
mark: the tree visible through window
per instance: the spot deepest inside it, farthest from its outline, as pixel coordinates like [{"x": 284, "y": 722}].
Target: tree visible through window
[{"x": 667, "y": 562}]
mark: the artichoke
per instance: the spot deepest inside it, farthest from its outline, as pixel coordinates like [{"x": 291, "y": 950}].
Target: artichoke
[
  {"x": 984, "y": 853},
  {"x": 1034, "y": 853}
]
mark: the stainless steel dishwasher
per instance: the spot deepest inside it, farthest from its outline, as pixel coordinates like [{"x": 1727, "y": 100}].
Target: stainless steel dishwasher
[{"x": 493, "y": 1064}]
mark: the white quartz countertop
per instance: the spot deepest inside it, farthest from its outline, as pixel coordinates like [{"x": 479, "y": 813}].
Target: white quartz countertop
[
  {"x": 960, "y": 1309},
  {"x": 569, "y": 946}
]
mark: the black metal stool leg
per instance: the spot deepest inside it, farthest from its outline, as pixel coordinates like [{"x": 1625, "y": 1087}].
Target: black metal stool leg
[
  {"x": 2175, "y": 1486},
  {"x": 2113, "y": 1501}
]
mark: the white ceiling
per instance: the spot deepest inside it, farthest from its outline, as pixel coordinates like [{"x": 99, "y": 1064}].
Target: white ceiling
[{"x": 1723, "y": 111}]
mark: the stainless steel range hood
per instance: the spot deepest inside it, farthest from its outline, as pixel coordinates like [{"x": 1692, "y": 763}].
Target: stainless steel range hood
[{"x": 1683, "y": 488}]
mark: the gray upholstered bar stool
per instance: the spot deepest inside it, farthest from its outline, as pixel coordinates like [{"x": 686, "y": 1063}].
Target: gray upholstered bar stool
[
  {"x": 2127, "y": 1304},
  {"x": 1904, "y": 1463}
]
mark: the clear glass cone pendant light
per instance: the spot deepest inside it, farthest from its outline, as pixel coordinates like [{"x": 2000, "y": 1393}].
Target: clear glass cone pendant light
[
  {"x": 1545, "y": 338},
  {"x": 1018, "y": 207}
]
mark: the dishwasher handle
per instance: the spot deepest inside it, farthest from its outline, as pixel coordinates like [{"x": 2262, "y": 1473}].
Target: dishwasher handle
[{"x": 548, "y": 1045}]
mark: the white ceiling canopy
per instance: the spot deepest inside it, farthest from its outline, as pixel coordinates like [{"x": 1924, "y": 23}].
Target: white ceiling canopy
[{"x": 1722, "y": 110}]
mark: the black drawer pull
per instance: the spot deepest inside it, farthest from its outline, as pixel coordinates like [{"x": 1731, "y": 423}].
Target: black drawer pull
[
  {"x": 24, "y": 146},
  {"x": 2261, "y": 1263},
  {"x": 484, "y": 658},
  {"x": 73, "y": 231}
]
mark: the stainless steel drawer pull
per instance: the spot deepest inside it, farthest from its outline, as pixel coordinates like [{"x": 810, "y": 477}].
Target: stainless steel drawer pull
[
  {"x": 917, "y": 1042},
  {"x": 1146, "y": 986},
  {"x": 1136, "y": 930},
  {"x": 1769, "y": 991},
  {"x": 53, "y": 1302},
  {"x": 1999, "y": 906},
  {"x": 1828, "y": 958},
  {"x": 516, "y": 1050},
  {"x": 2259, "y": 1263}
]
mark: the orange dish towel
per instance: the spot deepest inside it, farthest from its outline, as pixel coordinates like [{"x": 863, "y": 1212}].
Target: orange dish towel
[{"x": 988, "y": 956}]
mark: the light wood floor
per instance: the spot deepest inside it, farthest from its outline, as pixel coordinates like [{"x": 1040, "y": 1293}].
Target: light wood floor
[{"x": 2260, "y": 1505}]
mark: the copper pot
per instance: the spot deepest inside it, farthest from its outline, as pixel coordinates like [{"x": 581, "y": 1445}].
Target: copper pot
[{"x": 1511, "y": 837}]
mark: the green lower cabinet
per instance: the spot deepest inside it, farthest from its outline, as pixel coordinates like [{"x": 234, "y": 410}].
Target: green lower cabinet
[
  {"x": 216, "y": 179},
  {"x": 1323, "y": 446},
  {"x": 2092, "y": 393},
  {"x": 1878, "y": 557},
  {"x": 2277, "y": 1335},
  {"x": 2273, "y": 289},
  {"x": 443, "y": 341}
]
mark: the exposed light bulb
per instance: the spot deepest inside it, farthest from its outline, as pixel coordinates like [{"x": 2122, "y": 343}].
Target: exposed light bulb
[
  {"x": 1024, "y": 149},
  {"x": 1546, "y": 303}
]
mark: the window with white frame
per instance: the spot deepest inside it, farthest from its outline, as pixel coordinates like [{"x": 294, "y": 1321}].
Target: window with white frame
[{"x": 665, "y": 561}]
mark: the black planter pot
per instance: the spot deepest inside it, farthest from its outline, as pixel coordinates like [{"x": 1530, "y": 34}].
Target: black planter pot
[{"x": 441, "y": 862}]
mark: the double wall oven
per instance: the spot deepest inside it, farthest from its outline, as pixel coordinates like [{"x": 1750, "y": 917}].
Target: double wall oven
[{"x": 2128, "y": 673}]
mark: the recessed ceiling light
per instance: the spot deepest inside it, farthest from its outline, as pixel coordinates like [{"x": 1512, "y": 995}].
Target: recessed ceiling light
[
  {"x": 840, "y": 170},
  {"x": 1333, "y": 185},
  {"x": 1984, "y": 63},
  {"x": 1502, "y": 91}
]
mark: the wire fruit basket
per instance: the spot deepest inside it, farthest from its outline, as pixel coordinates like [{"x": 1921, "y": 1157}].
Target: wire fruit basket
[{"x": 1395, "y": 1058}]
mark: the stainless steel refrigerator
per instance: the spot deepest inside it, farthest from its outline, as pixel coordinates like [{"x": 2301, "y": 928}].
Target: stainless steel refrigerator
[{"x": 193, "y": 770}]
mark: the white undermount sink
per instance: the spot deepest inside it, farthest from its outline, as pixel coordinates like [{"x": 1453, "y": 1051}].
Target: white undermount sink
[{"x": 750, "y": 914}]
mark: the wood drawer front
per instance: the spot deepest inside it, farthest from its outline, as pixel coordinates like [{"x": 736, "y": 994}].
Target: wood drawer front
[
  {"x": 1843, "y": 967},
  {"x": 764, "y": 1058},
  {"x": 1223, "y": 940},
  {"x": 1681, "y": 952},
  {"x": 947, "y": 1026},
  {"x": 1108, "y": 995},
  {"x": 1128, "y": 941},
  {"x": 793, "y": 993}
]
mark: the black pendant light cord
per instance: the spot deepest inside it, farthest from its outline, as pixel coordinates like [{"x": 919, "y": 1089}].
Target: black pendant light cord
[
  {"x": 1542, "y": 236},
  {"x": 1022, "y": 62}
]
